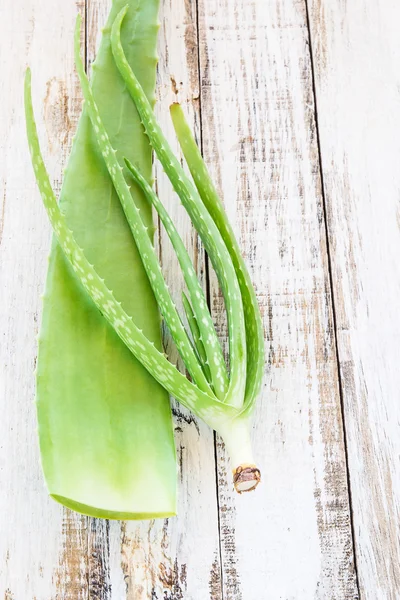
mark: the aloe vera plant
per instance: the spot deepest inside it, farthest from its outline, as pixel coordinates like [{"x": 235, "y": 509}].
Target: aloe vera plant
[{"x": 224, "y": 401}]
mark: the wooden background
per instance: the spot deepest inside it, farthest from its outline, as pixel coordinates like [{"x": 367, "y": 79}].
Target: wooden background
[{"x": 297, "y": 106}]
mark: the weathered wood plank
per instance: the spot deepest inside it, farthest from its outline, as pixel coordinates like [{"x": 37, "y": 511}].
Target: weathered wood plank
[
  {"x": 292, "y": 538},
  {"x": 356, "y": 56},
  {"x": 161, "y": 559},
  {"x": 43, "y": 548}
]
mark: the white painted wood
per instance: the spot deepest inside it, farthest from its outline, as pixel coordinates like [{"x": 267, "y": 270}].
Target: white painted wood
[
  {"x": 43, "y": 550},
  {"x": 292, "y": 537},
  {"x": 161, "y": 559},
  {"x": 357, "y": 55},
  {"x": 193, "y": 536}
]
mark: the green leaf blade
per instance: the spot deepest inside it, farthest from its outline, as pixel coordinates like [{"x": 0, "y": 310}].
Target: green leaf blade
[
  {"x": 103, "y": 445},
  {"x": 196, "y": 335}
]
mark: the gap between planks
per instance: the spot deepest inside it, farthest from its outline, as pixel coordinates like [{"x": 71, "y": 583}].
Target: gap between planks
[
  {"x": 331, "y": 291},
  {"x": 208, "y": 296}
]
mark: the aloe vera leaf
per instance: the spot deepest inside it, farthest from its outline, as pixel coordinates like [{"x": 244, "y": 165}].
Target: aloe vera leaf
[
  {"x": 194, "y": 328},
  {"x": 105, "y": 426},
  {"x": 209, "y": 195},
  {"x": 138, "y": 229},
  {"x": 200, "y": 217},
  {"x": 201, "y": 314}
]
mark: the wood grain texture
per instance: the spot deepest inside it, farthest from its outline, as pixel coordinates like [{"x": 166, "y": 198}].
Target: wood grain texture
[
  {"x": 197, "y": 523},
  {"x": 292, "y": 538},
  {"x": 356, "y": 56},
  {"x": 158, "y": 559},
  {"x": 243, "y": 72},
  {"x": 43, "y": 549}
]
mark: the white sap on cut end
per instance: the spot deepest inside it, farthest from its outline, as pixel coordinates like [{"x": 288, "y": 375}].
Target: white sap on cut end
[
  {"x": 246, "y": 486},
  {"x": 246, "y": 478}
]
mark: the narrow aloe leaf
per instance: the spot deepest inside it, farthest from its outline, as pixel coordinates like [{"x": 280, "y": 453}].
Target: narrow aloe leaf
[
  {"x": 209, "y": 195},
  {"x": 139, "y": 230},
  {"x": 196, "y": 335},
  {"x": 216, "y": 364},
  {"x": 106, "y": 450},
  {"x": 200, "y": 217}
]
